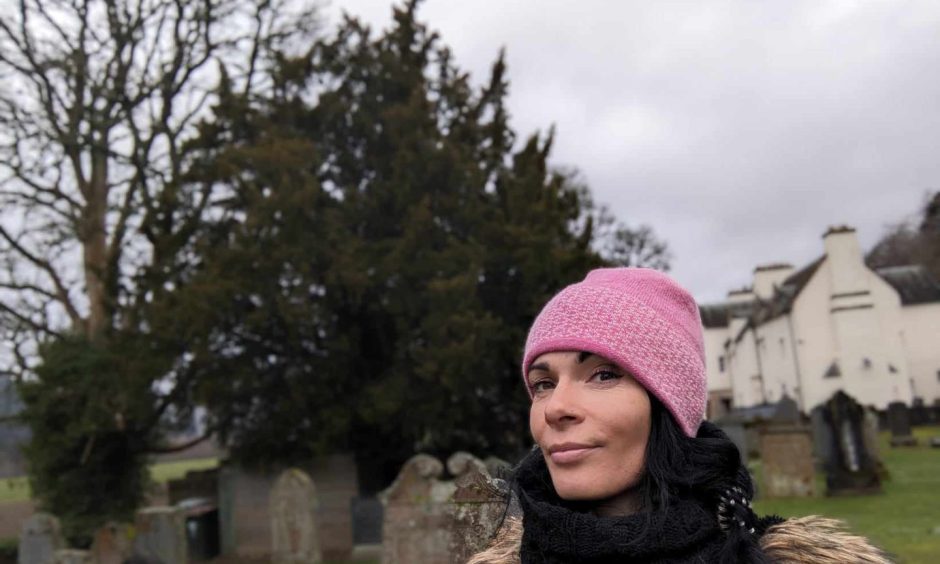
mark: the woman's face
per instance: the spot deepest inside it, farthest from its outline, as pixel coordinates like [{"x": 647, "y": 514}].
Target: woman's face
[{"x": 591, "y": 420}]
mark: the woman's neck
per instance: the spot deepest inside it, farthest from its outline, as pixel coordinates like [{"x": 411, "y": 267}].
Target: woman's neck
[{"x": 625, "y": 503}]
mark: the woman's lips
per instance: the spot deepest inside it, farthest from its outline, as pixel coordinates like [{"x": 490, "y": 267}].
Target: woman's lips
[{"x": 571, "y": 455}]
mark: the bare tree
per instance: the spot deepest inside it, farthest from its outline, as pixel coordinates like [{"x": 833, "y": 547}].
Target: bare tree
[{"x": 98, "y": 100}]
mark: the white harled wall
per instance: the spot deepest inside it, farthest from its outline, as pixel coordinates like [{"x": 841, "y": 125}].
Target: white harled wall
[
  {"x": 718, "y": 379},
  {"x": 921, "y": 339},
  {"x": 845, "y": 314}
]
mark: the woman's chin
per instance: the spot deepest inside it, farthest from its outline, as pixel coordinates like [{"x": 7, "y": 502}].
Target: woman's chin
[{"x": 579, "y": 490}]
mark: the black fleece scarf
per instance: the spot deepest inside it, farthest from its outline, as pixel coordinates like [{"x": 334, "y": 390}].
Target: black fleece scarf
[{"x": 556, "y": 532}]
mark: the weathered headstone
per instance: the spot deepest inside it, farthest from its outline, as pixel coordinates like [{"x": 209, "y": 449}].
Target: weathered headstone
[
  {"x": 497, "y": 467},
  {"x": 40, "y": 538},
  {"x": 294, "y": 532},
  {"x": 838, "y": 428},
  {"x": 870, "y": 433},
  {"x": 244, "y": 512},
  {"x": 899, "y": 423},
  {"x": 161, "y": 534},
  {"x": 435, "y": 521},
  {"x": 477, "y": 508},
  {"x": 416, "y": 522},
  {"x": 112, "y": 544},
  {"x": 787, "y": 411},
  {"x": 787, "y": 461}
]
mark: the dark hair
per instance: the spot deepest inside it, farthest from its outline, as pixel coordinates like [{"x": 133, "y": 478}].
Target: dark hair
[
  {"x": 705, "y": 467},
  {"x": 680, "y": 466}
]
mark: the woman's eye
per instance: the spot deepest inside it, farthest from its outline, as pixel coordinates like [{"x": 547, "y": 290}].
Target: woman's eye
[
  {"x": 541, "y": 386},
  {"x": 606, "y": 375}
]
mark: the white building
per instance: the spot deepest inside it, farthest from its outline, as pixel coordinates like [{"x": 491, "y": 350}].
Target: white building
[{"x": 835, "y": 324}]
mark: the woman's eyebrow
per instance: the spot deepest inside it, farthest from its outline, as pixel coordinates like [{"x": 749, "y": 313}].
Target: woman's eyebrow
[
  {"x": 540, "y": 366},
  {"x": 584, "y": 356}
]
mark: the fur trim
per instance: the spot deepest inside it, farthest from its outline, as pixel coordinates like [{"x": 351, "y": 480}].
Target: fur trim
[
  {"x": 505, "y": 547},
  {"x": 794, "y": 541},
  {"x": 820, "y": 540}
]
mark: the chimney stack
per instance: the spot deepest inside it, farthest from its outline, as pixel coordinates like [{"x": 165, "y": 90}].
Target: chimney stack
[
  {"x": 769, "y": 275},
  {"x": 848, "y": 273}
]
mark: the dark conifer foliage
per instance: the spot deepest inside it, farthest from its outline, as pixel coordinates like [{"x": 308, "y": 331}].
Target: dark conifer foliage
[
  {"x": 395, "y": 242},
  {"x": 338, "y": 247}
]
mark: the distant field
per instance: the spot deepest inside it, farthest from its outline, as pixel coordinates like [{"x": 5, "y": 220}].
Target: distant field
[
  {"x": 903, "y": 519},
  {"x": 17, "y": 489}
]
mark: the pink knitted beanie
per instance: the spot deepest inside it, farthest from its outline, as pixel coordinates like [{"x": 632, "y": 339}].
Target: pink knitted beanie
[{"x": 639, "y": 319}]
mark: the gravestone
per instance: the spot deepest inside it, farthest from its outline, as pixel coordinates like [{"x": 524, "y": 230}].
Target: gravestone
[
  {"x": 416, "y": 522},
  {"x": 787, "y": 411},
  {"x": 435, "y": 521},
  {"x": 40, "y": 538},
  {"x": 839, "y": 436},
  {"x": 161, "y": 535},
  {"x": 787, "y": 460},
  {"x": 919, "y": 413},
  {"x": 872, "y": 443},
  {"x": 367, "y": 517},
  {"x": 477, "y": 508},
  {"x": 497, "y": 467},
  {"x": 294, "y": 531},
  {"x": 112, "y": 544},
  {"x": 899, "y": 423},
  {"x": 244, "y": 512}
]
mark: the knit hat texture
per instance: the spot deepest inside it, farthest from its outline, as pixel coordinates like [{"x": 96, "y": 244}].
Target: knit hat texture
[{"x": 641, "y": 320}]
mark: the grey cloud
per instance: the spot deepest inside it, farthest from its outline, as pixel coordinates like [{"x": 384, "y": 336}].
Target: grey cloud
[{"x": 739, "y": 130}]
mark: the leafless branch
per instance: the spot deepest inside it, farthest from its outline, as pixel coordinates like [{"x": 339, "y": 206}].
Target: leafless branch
[{"x": 44, "y": 265}]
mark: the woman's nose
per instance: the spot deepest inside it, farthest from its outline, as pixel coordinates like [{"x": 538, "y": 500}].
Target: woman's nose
[{"x": 564, "y": 405}]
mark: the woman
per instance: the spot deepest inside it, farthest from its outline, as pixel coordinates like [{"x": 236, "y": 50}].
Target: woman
[{"x": 624, "y": 468}]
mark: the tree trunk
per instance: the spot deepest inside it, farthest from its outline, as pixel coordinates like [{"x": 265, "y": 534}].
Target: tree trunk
[{"x": 94, "y": 243}]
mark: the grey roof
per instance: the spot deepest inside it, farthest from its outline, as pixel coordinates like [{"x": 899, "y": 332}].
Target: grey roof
[
  {"x": 913, "y": 283},
  {"x": 720, "y": 314},
  {"x": 714, "y": 315}
]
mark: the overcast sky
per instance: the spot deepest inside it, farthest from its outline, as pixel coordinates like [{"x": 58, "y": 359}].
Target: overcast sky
[{"x": 740, "y": 130}]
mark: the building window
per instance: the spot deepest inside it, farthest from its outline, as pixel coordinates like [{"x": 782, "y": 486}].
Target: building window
[
  {"x": 892, "y": 369},
  {"x": 721, "y": 364},
  {"x": 833, "y": 371}
]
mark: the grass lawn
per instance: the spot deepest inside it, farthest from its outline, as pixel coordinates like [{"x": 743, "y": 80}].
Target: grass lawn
[
  {"x": 17, "y": 489},
  {"x": 903, "y": 518}
]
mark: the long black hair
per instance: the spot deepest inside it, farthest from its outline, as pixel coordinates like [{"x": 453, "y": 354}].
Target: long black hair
[
  {"x": 708, "y": 468},
  {"x": 679, "y": 466}
]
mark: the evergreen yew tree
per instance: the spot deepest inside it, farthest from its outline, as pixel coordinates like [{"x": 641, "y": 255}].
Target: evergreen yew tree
[{"x": 391, "y": 241}]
